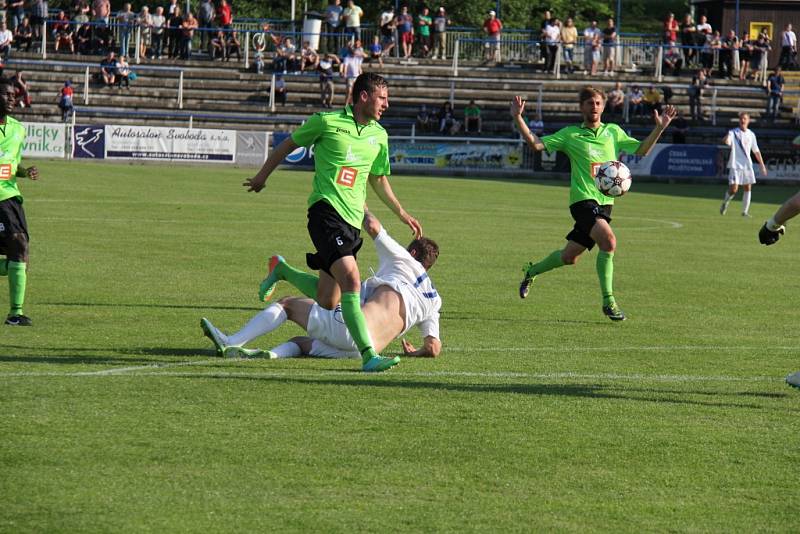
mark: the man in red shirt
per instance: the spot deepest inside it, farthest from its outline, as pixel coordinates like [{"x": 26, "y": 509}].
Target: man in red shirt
[
  {"x": 224, "y": 15},
  {"x": 492, "y": 26}
]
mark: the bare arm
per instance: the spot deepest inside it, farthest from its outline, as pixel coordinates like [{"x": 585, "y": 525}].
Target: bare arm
[
  {"x": 257, "y": 182},
  {"x": 517, "y": 109},
  {"x": 431, "y": 348},
  {"x": 760, "y": 161},
  {"x": 789, "y": 209},
  {"x": 662, "y": 122},
  {"x": 382, "y": 187},
  {"x": 371, "y": 224}
]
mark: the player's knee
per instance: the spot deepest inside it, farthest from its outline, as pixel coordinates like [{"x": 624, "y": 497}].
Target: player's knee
[
  {"x": 609, "y": 245},
  {"x": 17, "y": 247}
]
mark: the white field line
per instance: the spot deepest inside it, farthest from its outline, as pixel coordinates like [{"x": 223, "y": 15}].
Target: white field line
[{"x": 608, "y": 348}]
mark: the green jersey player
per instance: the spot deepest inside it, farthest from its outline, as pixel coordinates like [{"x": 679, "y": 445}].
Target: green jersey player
[
  {"x": 13, "y": 226},
  {"x": 588, "y": 145},
  {"x": 350, "y": 149}
]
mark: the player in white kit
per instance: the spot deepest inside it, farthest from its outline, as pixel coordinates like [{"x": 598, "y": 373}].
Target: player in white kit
[
  {"x": 742, "y": 141},
  {"x": 398, "y": 297}
]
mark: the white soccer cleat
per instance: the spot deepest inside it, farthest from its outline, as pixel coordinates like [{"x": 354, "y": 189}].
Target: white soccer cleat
[
  {"x": 794, "y": 379},
  {"x": 243, "y": 353}
]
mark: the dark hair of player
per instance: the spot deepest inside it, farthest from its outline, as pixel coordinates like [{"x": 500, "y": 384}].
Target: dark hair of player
[
  {"x": 591, "y": 92},
  {"x": 369, "y": 81},
  {"x": 427, "y": 251}
]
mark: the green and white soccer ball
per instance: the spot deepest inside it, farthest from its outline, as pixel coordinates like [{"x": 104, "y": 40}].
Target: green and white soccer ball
[{"x": 613, "y": 178}]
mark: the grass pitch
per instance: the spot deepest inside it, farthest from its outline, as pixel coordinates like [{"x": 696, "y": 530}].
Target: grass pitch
[{"x": 540, "y": 415}]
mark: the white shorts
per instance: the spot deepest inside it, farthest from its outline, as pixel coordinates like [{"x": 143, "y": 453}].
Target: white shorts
[
  {"x": 741, "y": 177},
  {"x": 328, "y": 326}
]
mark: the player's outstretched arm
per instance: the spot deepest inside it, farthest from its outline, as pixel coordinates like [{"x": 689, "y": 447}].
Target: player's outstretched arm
[
  {"x": 662, "y": 122},
  {"x": 371, "y": 224},
  {"x": 431, "y": 347},
  {"x": 257, "y": 182},
  {"x": 517, "y": 109},
  {"x": 382, "y": 187}
]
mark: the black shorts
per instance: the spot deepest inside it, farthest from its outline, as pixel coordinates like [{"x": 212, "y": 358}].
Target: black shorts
[
  {"x": 332, "y": 236},
  {"x": 586, "y": 213},
  {"x": 12, "y": 221}
]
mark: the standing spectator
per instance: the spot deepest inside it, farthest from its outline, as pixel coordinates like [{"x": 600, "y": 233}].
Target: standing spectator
[
  {"x": 333, "y": 22},
  {"x": 680, "y": 127},
  {"x": 552, "y": 39},
  {"x": 21, "y": 93},
  {"x": 673, "y": 60},
  {"x": 695, "y": 93},
  {"x": 703, "y": 28},
  {"x": 173, "y": 4},
  {"x": 405, "y": 29},
  {"x": 17, "y": 8},
  {"x": 440, "y": 23},
  {"x": 376, "y": 50},
  {"x": 597, "y": 53},
  {"x": 589, "y": 35},
  {"x": 158, "y": 22},
  {"x": 493, "y": 27},
  {"x": 742, "y": 142},
  {"x": 145, "y": 22},
  {"x": 39, "y": 13},
  {"x": 188, "y": 26},
  {"x": 326, "y": 87},
  {"x": 351, "y": 69},
  {"x": 6, "y": 39},
  {"x": 616, "y": 99},
  {"x": 707, "y": 54},
  {"x": 174, "y": 32},
  {"x": 745, "y": 55},
  {"x": 760, "y": 52},
  {"x": 387, "y": 26},
  {"x": 101, "y": 11},
  {"x": 205, "y": 19},
  {"x": 123, "y": 72},
  {"x": 547, "y": 20},
  {"x": 225, "y": 15},
  {"x": 636, "y": 101},
  {"x": 126, "y": 20},
  {"x": 65, "y": 100},
  {"x": 472, "y": 118},
  {"x": 688, "y": 31},
  {"x": 727, "y": 45},
  {"x": 670, "y": 29},
  {"x": 788, "y": 48},
  {"x": 569, "y": 38},
  {"x": 259, "y": 45},
  {"x": 609, "y": 47},
  {"x": 352, "y": 20},
  {"x": 424, "y": 22},
  {"x": 775, "y": 85}
]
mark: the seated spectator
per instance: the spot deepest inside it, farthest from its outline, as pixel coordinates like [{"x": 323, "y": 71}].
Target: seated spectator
[
  {"x": 666, "y": 92},
  {"x": 537, "y": 125},
  {"x": 58, "y": 25},
  {"x": 6, "y": 39},
  {"x": 123, "y": 72},
  {"x": 216, "y": 46},
  {"x": 325, "y": 69},
  {"x": 472, "y": 118},
  {"x": 65, "y": 39},
  {"x": 285, "y": 58},
  {"x": 423, "y": 119},
  {"x": 23, "y": 35},
  {"x": 103, "y": 39},
  {"x": 65, "y": 100},
  {"x": 21, "y": 94},
  {"x": 83, "y": 39},
  {"x": 636, "y": 108},
  {"x": 652, "y": 99},
  {"x": 673, "y": 61},
  {"x": 376, "y": 50},
  {"x": 448, "y": 125},
  {"x": 232, "y": 46},
  {"x": 108, "y": 69},
  {"x": 616, "y": 99},
  {"x": 680, "y": 127},
  {"x": 308, "y": 57},
  {"x": 280, "y": 89}
]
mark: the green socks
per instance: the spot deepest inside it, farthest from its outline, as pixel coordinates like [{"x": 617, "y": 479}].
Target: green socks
[
  {"x": 357, "y": 324},
  {"x": 305, "y": 282},
  {"x": 605, "y": 272},
  {"x": 553, "y": 261},
  {"x": 3, "y": 267},
  {"x": 17, "y": 279}
]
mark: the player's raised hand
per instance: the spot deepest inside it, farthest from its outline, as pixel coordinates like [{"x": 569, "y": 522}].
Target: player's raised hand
[
  {"x": 255, "y": 184},
  {"x": 769, "y": 237},
  {"x": 663, "y": 120},
  {"x": 32, "y": 173},
  {"x": 414, "y": 224},
  {"x": 517, "y": 106}
]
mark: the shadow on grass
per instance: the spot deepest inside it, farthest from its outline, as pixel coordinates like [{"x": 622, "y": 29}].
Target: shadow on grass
[
  {"x": 165, "y": 306},
  {"x": 73, "y": 355}
]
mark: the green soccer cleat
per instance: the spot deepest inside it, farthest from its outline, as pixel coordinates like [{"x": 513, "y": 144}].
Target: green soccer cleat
[
  {"x": 216, "y": 337},
  {"x": 794, "y": 379},
  {"x": 378, "y": 364},
  {"x": 267, "y": 287},
  {"x": 614, "y": 312},
  {"x": 243, "y": 353},
  {"x": 525, "y": 285}
]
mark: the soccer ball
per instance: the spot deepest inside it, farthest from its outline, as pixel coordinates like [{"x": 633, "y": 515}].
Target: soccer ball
[{"x": 613, "y": 178}]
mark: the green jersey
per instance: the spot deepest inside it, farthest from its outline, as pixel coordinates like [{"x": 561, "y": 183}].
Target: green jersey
[
  {"x": 425, "y": 29},
  {"x": 12, "y": 136},
  {"x": 587, "y": 149},
  {"x": 345, "y": 154}
]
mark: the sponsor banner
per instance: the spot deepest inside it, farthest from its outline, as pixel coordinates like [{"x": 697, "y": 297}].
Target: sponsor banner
[
  {"x": 171, "y": 144},
  {"x": 456, "y": 155},
  {"x": 251, "y": 148},
  {"x": 680, "y": 161},
  {"x": 88, "y": 141},
  {"x": 782, "y": 164},
  {"x": 301, "y": 156},
  {"x": 44, "y": 140}
]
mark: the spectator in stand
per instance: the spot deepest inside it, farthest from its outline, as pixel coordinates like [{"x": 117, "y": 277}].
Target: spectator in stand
[
  {"x": 440, "y": 23},
  {"x": 216, "y": 46},
  {"x": 589, "y": 35},
  {"x": 65, "y": 38},
  {"x": 707, "y": 54},
  {"x": 788, "y": 59},
  {"x": 387, "y": 25},
  {"x": 376, "y": 50},
  {"x": 448, "y": 125},
  {"x": 108, "y": 69},
  {"x": 424, "y": 22},
  {"x": 760, "y": 52},
  {"x": 21, "y": 93},
  {"x": 308, "y": 57},
  {"x": 258, "y": 56},
  {"x": 673, "y": 60},
  {"x": 569, "y": 38},
  {"x": 285, "y": 57},
  {"x": 123, "y": 72},
  {"x": 493, "y": 28},
  {"x": 680, "y": 127},
  {"x": 326, "y": 87},
  {"x": 352, "y": 21},
  {"x": 597, "y": 53},
  {"x": 351, "y": 68},
  {"x": 472, "y": 118},
  {"x": 615, "y": 102},
  {"x": 171, "y": 7},
  {"x": 609, "y": 47},
  {"x": 65, "y": 97},
  {"x": 224, "y": 15},
  {"x": 205, "y": 19},
  {"x": 81, "y": 12},
  {"x": 59, "y": 24},
  {"x": 145, "y": 22},
  {"x": 552, "y": 37},
  {"x": 671, "y": 29},
  {"x": 652, "y": 99},
  {"x": 695, "y": 93},
  {"x": 775, "y": 85},
  {"x": 23, "y": 35},
  {"x": 636, "y": 102},
  {"x": 6, "y": 40},
  {"x": 544, "y": 52},
  {"x": 423, "y": 119},
  {"x": 333, "y": 25},
  {"x": 126, "y": 19},
  {"x": 101, "y": 11},
  {"x": 745, "y": 55},
  {"x": 405, "y": 30},
  {"x": 704, "y": 28},
  {"x": 17, "y": 11},
  {"x": 280, "y": 90},
  {"x": 173, "y": 31},
  {"x": 83, "y": 39},
  {"x": 727, "y": 45},
  {"x": 188, "y": 26},
  {"x": 157, "y": 33},
  {"x": 688, "y": 31},
  {"x": 232, "y": 46},
  {"x": 39, "y": 14},
  {"x": 103, "y": 39}
]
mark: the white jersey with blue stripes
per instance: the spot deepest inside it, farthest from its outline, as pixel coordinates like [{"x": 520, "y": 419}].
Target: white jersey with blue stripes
[{"x": 399, "y": 270}]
